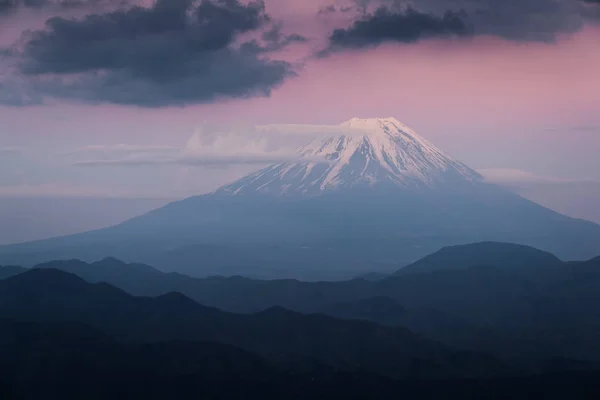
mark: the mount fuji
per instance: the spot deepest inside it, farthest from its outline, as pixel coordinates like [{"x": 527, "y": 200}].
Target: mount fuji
[
  {"x": 374, "y": 198},
  {"x": 374, "y": 152}
]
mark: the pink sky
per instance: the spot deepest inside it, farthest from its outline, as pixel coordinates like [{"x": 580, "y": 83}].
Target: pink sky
[
  {"x": 491, "y": 102},
  {"x": 484, "y": 81}
]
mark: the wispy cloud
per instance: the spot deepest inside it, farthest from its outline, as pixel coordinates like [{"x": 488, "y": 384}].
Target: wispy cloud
[
  {"x": 309, "y": 130},
  {"x": 511, "y": 176},
  {"x": 577, "y": 198},
  {"x": 576, "y": 128},
  {"x": 64, "y": 189},
  {"x": 11, "y": 150},
  {"x": 203, "y": 160},
  {"x": 248, "y": 146},
  {"x": 124, "y": 148}
]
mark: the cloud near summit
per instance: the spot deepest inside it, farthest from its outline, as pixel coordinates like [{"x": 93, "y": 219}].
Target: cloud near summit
[
  {"x": 258, "y": 145},
  {"x": 245, "y": 145}
]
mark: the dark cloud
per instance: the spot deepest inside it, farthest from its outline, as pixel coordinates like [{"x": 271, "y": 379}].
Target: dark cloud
[
  {"x": 385, "y": 25},
  {"x": 379, "y": 21},
  {"x": 6, "y": 6},
  {"x": 176, "y": 52},
  {"x": 325, "y": 9},
  {"x": 14, "y": 93},
  {"x": 10, "y": 6},
  {"x": 151, "y": 42},
  {"x": 332, "y": 9},
  {"x": 592, "y": 10},
  {"x": 519, "y": 20},
  {"x": 274, "y": 39}
]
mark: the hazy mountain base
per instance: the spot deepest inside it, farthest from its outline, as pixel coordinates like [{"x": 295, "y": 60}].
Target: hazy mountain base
[{"x": 333, "y": 236}]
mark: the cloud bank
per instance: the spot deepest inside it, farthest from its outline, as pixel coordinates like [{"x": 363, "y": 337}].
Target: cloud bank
[
  {"x": 404, "y": 21},
  {"x": 173, "y": 53},
  {"x": 512, "y": 176},
  {"x": 8, "y": 7},
  {"x": 64, "y": 190},
  {"x": 11, "y": 150},
  {"x": 405, "y": 26},
  {"x": 249, "y": 145},
  {"x": 246, "y": 146}
]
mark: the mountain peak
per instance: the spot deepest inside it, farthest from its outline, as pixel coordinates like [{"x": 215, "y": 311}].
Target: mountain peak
[
  {"x": 372, "y": 124},
  {"x": 388, "y": 126},
  {"x": 372, "y": 152}
]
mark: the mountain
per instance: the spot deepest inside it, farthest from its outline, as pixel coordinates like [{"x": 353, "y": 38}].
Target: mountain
[
  {"x": 372, "y": 152},
  {"x": 524, "y": 308},
  {"x": 46, "y": 295},
  {"x": 372, "y": 199},
  {"x": 132, "y": 277},
  {"x": 484, "y": 254}
]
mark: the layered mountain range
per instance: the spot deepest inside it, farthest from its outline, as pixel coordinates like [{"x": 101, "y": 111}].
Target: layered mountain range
[{"x": 519, "y": 326}]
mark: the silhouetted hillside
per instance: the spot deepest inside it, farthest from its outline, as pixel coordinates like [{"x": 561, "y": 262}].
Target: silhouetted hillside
[
  {"x": 73, "y": 361},
  {"x": 525, "y": 311},
  {"x": 483, "y": 254},
  {"x": 129, "y": 276},
  {"x": 6, "y": 271},
  {"x": 51, "y": 295},
  {"x": 51, "y": 360}
]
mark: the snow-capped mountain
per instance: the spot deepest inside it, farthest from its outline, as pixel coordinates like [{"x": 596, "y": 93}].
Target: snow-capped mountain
[
  {"x": 373, "y": 197},
  {"x": 376, "y": 151}
]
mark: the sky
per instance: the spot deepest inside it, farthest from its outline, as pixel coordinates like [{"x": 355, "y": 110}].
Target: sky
[{"x": 89, "y": 89}]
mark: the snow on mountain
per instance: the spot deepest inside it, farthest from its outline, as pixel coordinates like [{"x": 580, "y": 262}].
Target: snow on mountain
[{"x": 376, "y": 151}]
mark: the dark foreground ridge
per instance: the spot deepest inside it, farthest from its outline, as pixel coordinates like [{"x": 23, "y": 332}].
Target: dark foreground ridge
[
  {"x": 529, "y": 305},
  {"x": 276, "y": 333},
  {"x": 73, "y": 361},
  {"x": 59, "y": 360},
  {"x": 500, "y": 327}
]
